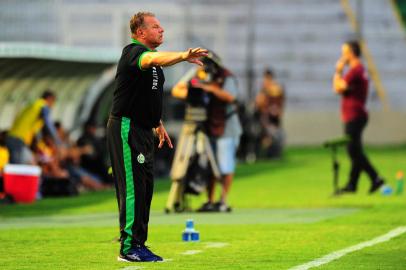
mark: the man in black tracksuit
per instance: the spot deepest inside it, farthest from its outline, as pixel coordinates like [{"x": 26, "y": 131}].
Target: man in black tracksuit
[{"x": 135, "y": 115}]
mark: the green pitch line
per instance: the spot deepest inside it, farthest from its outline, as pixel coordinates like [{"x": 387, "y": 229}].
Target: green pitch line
[{"x": 243, "y": 216}]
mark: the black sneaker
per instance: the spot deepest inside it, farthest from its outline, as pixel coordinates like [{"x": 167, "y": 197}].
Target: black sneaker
[
  {"x": 346, "y": 189},
  {"x": 207, "y": 207},
  {"x": 222, "y": 207},
  {"x": 376, "y": 185},
  {"x": 139, "y": 253}
]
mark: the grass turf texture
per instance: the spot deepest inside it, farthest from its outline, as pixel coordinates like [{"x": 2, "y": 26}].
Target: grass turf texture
[{"x": 284, "y": 216}]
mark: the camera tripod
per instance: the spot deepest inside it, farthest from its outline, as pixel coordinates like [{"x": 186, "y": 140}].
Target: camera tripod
[
  {"x": 334, "y": 145},
  {"x": 192, "y": 140}
]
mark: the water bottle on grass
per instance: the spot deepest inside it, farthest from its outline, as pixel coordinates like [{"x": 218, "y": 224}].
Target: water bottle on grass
[
  {"x": 399, "y": 183},
  {"x": 190, "y": 234}
]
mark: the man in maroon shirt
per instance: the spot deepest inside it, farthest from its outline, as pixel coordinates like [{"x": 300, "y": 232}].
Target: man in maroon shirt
[{"x": 353, "y": 88}]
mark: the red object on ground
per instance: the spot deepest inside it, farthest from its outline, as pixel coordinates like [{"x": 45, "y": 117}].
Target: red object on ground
[{"x": 21, "y": 182}]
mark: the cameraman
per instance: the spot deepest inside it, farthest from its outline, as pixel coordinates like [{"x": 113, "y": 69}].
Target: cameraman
[{"x": 218, "y": 91}]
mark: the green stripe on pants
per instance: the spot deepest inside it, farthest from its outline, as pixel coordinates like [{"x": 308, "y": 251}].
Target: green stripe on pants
[{"x": 129, "y": 198}]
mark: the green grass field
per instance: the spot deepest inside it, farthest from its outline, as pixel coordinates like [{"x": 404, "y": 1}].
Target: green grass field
[{"x": 283, "y": 217}]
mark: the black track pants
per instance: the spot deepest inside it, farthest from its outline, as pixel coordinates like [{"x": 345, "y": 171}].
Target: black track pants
[
  {"x": 131, "y": 153},
  {"x": 359, "y": 161}
]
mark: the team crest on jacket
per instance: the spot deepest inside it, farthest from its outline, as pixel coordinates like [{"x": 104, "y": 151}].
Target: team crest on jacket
[{"x": 141, "y": 158}]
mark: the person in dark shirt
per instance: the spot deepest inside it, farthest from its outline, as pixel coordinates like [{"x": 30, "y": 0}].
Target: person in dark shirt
[
  {"x": 94, "y": 160},
  {"x": 353, "y": 88},
  {"x": 269, "y": 104},
  {"x": 135, "y": 116}
]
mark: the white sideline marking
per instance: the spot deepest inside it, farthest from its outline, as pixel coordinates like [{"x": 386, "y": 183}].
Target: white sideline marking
[
  {"x": 191, "y": 252},
  {"x": 216, "y": 245},
  {"x": 340, "y": 253}
]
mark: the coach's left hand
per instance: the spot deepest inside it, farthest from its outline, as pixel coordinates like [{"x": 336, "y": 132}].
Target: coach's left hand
[{"x": 163, "y": 136}]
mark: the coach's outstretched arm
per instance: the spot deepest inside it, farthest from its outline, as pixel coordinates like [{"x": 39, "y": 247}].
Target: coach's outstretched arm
[{"x": 164, "y": 59}]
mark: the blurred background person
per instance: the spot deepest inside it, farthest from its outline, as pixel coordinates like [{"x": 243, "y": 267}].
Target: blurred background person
[
  {"x": 4, "y": 159},
  {"x": 28, "y": 123},
  {"x": 48, "y": 157},
  {"x": 269, "y": 105},
  {"x": 94, "y": 160},
  {"x": 60, "y": 165},
  {"x": 222, "y": 124},
  {"x": 70, "y": 159},
  {"x": 353, "y": 88},
  {"x": 4, "y": 155}
]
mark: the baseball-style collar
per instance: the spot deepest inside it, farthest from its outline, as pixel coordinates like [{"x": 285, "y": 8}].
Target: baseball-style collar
[{"x": 134, "y": 41}]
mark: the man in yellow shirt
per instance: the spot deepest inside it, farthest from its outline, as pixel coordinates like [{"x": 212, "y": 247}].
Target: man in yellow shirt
[
  {"x": 4, "y": 154},
  {"x": 4, "y": 157},
  {"x": 28, "y": 123}
]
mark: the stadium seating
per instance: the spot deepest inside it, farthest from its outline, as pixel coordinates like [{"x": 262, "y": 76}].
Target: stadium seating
[
  {"x": 386, "y": 39},
  {"x": 300, "y": 39}
]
